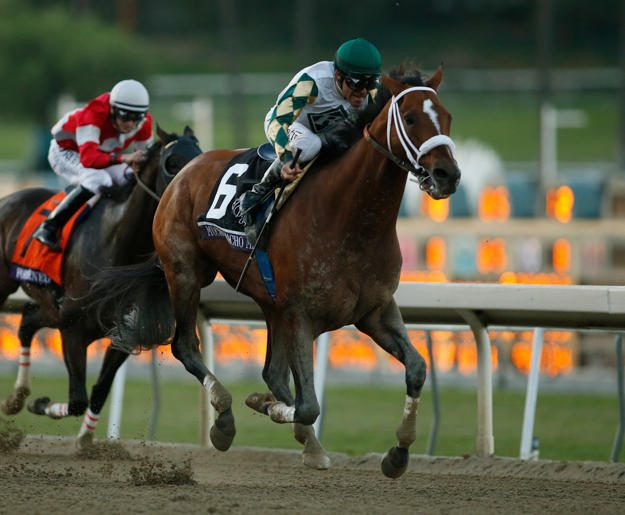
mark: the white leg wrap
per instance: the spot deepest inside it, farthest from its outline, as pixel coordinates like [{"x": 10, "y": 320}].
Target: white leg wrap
[
  {"x": 23, "y": 373},
  {"x": 281, "y": 413},
  {"x": 407, "y": 431},
  {"x": 57, "y": 410},
  {"x": 89, "y": 423}
]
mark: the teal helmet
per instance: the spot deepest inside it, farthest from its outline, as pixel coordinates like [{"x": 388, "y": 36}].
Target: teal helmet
[{"x": 359, "y": 64}]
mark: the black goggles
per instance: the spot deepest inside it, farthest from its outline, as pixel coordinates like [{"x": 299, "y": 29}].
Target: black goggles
[
  {"x": 129, "y": 116},
  {"x": 360, "y": 82}
]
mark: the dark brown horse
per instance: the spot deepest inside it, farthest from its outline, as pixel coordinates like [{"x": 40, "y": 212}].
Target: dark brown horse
[
  {"x": 117, "y": 232},
  {"x": 334, "y": 252}
]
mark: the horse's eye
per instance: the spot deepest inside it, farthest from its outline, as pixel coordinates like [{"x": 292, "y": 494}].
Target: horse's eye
[{"x": 409, "y": 119}]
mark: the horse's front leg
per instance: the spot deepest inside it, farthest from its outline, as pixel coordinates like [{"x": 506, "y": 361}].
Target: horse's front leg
[
  {"x": 276, "y": 374},
  {"x": 298, "y": 342},
  {"x": 184, "y": 269},
  {"x": 75, "y": 341},
  {"x": 387, "y": 329},
  {"x": 32, "y": 321}
]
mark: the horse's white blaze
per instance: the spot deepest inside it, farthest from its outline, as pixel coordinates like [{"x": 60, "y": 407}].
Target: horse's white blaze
[
  {"x": 428, "y": 108},
  {"x": 281, "y": 413}
]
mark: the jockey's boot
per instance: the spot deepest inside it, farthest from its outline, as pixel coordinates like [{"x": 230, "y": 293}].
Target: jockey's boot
[
  {"x": 47, "y": 232},
  {"x": 252, "y": 199}
]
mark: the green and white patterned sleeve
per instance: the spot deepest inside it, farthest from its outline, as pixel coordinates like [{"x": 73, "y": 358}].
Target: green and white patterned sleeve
[{"x": 289, "y": 107}]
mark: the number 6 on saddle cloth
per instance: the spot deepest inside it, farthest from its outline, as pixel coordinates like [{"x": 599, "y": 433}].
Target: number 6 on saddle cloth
[{"x": 224, "y": 220}]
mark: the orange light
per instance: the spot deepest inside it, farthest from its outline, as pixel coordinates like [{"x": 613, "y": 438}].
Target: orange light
[
  {"x": 420, "y": 276},
  {"x": 491, "y": 255},
  {"x": 527, "y": 278},
  {"x": 556, "y": 357},
  {"x": 436, "y": 253},
  {"x": 437, "y": 210},
  {"x": 494, "y": 204},
  {"x": 349, "y": 349},
  {"x": 560, "y": 204},
  {"x": 562, "y": 256}
]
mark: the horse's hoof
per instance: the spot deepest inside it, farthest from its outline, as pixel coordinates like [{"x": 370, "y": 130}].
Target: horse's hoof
[
  {"x": 14, "y": 403},
  {"x": 223, "y": 432},
  {"x": 395, "y": 462},
  {"x": 38, "y": 406},
  {"x": 84, "y": 441},
  {"x": 256, "y": 401},
  {"x": 317, "y": 461}
]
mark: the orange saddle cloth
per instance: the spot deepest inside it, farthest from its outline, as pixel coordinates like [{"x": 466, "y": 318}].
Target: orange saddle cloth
[{"x": 34, "y": 262}]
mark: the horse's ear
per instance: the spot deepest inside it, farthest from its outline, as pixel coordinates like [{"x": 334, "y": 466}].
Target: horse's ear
[
  {"x": 165, "y": 137},
  {"x": 188, "y": 132},
  {"x": 435, "y": 80},
  {"x": 394, "y": 86}
]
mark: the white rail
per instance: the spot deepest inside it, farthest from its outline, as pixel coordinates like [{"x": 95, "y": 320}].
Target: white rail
[{"x": 479, "y": 305}]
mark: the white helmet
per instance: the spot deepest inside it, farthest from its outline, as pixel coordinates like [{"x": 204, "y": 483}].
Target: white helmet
[{"x": 130, "y": 95}]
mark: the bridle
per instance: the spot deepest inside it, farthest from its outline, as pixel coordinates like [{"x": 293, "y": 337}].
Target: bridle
[{"x": 413, "y": 153}]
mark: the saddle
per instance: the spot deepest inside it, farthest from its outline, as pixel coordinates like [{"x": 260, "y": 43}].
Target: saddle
[{"x": 34, "y": 262}]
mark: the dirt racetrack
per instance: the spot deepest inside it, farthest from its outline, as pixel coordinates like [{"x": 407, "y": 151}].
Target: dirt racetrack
[{"x": 47, "y": 476}]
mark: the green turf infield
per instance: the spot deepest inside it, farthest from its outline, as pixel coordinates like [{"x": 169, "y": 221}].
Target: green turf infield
[{"x": 359, "y": 419}]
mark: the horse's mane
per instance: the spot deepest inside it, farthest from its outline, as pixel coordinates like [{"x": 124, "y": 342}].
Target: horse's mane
[
  {"x": 120, "y": 193},
  {"x": 349, "y": 132}
]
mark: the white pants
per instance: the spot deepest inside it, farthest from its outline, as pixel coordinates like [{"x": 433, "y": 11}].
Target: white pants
[
  {"x": 300, "y": 138},
  {"x": 66, "y": 164}
]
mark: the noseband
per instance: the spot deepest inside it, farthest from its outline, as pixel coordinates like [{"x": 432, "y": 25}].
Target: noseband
[{"x": 413, "y": 153}]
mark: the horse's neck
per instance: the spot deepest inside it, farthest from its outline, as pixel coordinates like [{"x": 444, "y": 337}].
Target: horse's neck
[
  {"x": 368, "y": 190},
  {"x": 128, "y": 225}
]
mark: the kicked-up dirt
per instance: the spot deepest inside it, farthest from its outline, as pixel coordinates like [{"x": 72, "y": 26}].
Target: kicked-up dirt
[{"x": 48, "y": 475}]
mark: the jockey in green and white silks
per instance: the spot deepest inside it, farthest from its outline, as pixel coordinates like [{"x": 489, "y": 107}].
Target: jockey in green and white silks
[{"x": 315, "y": 101}]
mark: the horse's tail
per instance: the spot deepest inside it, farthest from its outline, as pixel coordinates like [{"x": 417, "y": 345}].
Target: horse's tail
[{"x": 132, "y": 304}]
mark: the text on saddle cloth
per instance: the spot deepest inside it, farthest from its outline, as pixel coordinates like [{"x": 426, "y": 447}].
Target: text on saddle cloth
[
  {"x": 223, "y": 219},
  {"x": 34, "y": 262}
]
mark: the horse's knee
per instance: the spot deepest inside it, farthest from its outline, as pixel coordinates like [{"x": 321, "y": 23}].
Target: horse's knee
[
  {"x": 415, "y": 375},
  {"x": 77, "y": 408},
  {"x": 307, "y": 413}
]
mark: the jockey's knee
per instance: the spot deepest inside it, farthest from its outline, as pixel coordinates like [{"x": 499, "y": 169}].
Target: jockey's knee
[{"x": 95, "y": 180}]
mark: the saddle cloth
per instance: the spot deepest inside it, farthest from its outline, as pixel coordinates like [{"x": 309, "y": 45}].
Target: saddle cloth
[
  {"x": 223, "y": 219},
  {"x": 34, "y": 262}
]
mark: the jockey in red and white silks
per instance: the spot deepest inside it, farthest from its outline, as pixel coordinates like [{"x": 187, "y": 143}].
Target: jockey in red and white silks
[{"x": 87, "y": 149}]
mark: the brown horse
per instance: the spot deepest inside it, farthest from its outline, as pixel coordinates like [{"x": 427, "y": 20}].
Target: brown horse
[
  {"x": 117, "y": 232},
  {"x": 334, "y": 252}
]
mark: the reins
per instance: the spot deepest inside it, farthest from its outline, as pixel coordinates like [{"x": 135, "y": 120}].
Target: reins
[
  {"x": 394, "y": 118},
  {"x": 145, "y": 187}
]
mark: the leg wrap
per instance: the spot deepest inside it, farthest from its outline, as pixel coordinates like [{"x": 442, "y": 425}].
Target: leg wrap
[
  {"x": 89, "y": 423},
  {"x": 57, "y": 410},
  {"x": 23, "y": 373},
  {"x": 406, "y": 432}
]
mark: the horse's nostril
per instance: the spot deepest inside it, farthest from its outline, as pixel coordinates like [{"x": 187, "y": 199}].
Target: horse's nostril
[{"x": 440, "y": 174}]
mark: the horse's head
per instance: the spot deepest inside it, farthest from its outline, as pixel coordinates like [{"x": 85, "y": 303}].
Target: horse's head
[
  {"x": 417, "y": 128},
  {"x": 177, "y": 152}
]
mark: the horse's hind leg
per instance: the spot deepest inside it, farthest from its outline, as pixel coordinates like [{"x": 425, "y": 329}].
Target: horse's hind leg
[
  {"x": 186, "y": 271},
  {"x": 33, "y": 319},
  {"x": 387, "y": 329},
  {"x": 113, "y": 359},
  {"x": 276, "y": 374}
]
